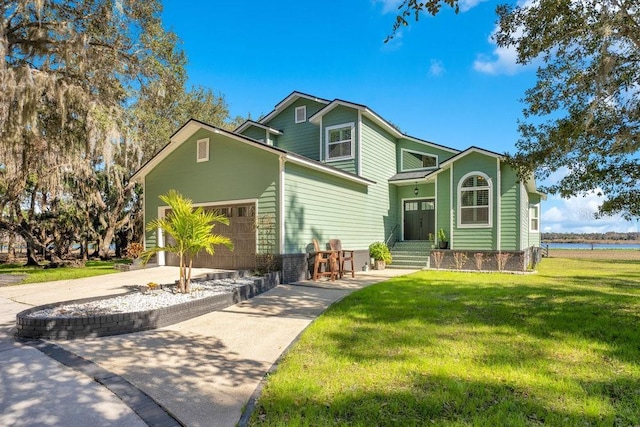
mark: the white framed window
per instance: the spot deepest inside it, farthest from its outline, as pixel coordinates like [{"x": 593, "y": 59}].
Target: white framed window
[
  {"x": 415, "y": 160},
  {"x": 475, "y": 201},
  {"x": 534, "y": 218},
  {"x": 339, "y": 141},
  {"x": 301, "y": 114},
  {"x": 202, "y": 150}
]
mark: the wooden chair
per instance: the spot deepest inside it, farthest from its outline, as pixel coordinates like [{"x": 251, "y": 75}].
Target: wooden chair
[
  {"x": 326, "y": 258},
  {"x": 344, "y": 256}
]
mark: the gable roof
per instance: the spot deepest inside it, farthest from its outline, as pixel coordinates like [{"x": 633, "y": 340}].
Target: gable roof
[
  {"x": 377, "y": 119},
  {"x": 193, "y": 125},
  {"x": 250, "y": 123},
  {"x": 530, "y": 184},
  {"x": 293, "y": 97}
]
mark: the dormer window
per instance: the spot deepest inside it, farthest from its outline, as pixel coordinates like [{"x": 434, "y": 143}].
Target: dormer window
[
  {"x": 301, "y": 114},
  {"x": 414, "y": 160},
  {"x": 202, "y": 150},
  {"x": 339, "y": 141}
]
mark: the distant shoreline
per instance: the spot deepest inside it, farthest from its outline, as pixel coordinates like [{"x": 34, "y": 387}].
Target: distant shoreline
[{"x": 595, "y": 242}]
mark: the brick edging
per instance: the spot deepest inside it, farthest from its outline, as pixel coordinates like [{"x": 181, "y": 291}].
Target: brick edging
[{"x": 124, "y": 323}]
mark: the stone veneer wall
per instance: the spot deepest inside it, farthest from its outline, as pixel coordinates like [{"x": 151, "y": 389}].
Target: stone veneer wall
[{"x": 123, "y": 323}]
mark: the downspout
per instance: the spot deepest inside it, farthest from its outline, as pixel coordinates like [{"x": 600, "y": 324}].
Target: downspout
[
  {"x": 499, "y": 206},
  {"x": 359, "y": 142},
  {"x": 281, "y": 208},
  {"x": 451, "y": 208}
]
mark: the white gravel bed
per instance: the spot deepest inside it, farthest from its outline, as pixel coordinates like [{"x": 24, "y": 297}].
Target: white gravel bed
[{"x": 142, "y": 301}]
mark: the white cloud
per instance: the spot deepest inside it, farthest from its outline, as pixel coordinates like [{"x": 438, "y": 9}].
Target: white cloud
[
  {"x": 389, "y": 5},
  {"x": 503, "y": 61},
  {"x": 577, "y": 215},
  {"x": 392, "y": 5},
  {"x": 465, "y": 5},
  {"x": 437, "y": 68}
]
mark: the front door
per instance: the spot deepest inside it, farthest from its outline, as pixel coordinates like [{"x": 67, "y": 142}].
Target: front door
[{"x": 419, "y": 219}]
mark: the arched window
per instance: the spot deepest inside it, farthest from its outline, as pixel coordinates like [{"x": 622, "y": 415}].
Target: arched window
[{"x": 474, "y": 200}]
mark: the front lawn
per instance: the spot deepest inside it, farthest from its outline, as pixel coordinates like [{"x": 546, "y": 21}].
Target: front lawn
[
  {"x": 39, "y": 274},
  {"x": 561, "y": 347}
]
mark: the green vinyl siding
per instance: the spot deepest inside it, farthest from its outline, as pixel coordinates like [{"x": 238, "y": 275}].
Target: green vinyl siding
[
  {"x": 235, "y": 171},
  {"x": 301, "y": 138},
  {"x": 342, "y": 116},
  {"x": 325, "y": 207},
  {"x": 378, "y": 164},
  {"x": 443, "y": 202},
  {"x": 524, "y": 218},
  {"x": 406, "y": 144},
  {"x": 510, "y": 209},
  {"x": 255, "y": 133},
  {"x": 472, "y": 238}
]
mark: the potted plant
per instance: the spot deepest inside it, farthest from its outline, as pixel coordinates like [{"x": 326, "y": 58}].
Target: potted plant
[
  {"x": 381, "y": 254},
  {"x": 442, "y": 239}
]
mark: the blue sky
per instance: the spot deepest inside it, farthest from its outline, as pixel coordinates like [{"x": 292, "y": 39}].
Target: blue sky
[{"x": 441, "y": 79}]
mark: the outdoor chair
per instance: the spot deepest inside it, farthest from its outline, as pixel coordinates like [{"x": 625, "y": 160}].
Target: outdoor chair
[
  {"x": 344, "y": 256},
  {"x": 325, "y": 258}
]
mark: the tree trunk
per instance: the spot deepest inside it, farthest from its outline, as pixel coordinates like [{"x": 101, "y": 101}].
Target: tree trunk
[
  {"x": 105, "y": 244},
  {"x": 32, "y": 259}
]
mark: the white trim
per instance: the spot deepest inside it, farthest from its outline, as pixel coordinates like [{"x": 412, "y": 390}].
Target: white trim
[
  {"x": 459, "y": 200},
  {"x": 328, "y": 129},
  {"x": 303, "y": 109},
  {"x": 535, "y": 206},
  {"x": 359, "y": 143},
  {"x": 321, "y": 140},
  {"x": 435, "y": 195},
  {"x": 293, "y": 97},
  {"x": 402, "y": 168},
  {"x": 249, "y": 123},
  {"x": 160, "y": 236},
  {"x": 282, "y": 205},
  {"x": 162, "y": 212},
  {"x": 498, "y": 206},
  {"x": 451, "y": 211},
  {"x": 329, "y": 170},
  {"x": 435, "y": 212},
  {"x": 204, "y": 141}
]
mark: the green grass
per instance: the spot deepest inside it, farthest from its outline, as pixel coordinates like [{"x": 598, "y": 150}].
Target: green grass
[
  {"x": 561, "y": 347},
  {"x": 39, "y": 274}
]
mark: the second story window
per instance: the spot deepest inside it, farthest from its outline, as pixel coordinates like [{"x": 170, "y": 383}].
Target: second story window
[
  {"x": 339, "y": 141},
  {"x": 301, "y": 114},
  {"x": 414, "y": 160}
]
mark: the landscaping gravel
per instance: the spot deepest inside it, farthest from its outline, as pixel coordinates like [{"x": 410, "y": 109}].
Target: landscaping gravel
[{"x": 144, "y": 300}]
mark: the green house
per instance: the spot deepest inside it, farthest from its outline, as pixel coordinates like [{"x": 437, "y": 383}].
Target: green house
[{"x": 321, "y": 169}]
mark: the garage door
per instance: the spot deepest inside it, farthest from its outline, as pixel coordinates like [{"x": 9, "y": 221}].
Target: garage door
[{"x": 241, "y": 230}]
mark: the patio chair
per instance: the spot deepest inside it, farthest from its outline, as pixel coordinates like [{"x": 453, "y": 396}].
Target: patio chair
[
  {"x": 328, "y": 259},
  {"x": 344, "y": 256}
]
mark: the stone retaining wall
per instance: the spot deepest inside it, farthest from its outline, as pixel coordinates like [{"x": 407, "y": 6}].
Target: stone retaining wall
[
  {"x": 486, "y": 261},
  {"x": 124, "y": 323}
]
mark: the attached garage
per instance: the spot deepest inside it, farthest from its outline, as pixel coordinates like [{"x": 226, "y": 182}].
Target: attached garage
[{"x": 242, "y": 232}]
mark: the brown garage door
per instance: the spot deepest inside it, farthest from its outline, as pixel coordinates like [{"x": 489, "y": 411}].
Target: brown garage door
[{"x": 241, "y": 230}]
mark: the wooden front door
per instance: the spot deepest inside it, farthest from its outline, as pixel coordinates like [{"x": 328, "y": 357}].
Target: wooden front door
[
  {"x": 419, "y": 219},
  {"x": 241, "y": 230}
]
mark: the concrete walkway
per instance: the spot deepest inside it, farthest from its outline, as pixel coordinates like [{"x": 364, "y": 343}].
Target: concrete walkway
[{"x": 202, "y": 371}]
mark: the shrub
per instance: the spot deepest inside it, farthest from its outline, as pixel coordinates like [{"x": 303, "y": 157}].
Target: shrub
[{"x": 380, "y": 252}]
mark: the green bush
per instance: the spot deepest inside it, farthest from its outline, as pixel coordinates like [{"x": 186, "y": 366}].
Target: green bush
[{"x": 380, "y": 252}]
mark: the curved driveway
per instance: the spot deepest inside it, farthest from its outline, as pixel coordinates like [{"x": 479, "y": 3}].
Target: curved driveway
[{"x": 202, "y": 371}]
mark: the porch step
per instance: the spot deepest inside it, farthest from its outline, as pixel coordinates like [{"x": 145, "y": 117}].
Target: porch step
[{"x": 410, "y": 254}]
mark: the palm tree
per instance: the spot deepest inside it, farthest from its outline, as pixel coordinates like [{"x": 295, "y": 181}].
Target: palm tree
[{"x": 192, "y": 232}]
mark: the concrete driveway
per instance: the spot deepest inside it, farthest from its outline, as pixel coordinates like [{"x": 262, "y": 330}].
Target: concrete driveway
[{"x": 202, "y": 372}]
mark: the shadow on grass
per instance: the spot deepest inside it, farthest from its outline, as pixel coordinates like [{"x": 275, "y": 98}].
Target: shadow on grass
[
  {"x": 558, "y": 348},
  {"x": 435, "y": 400}
]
